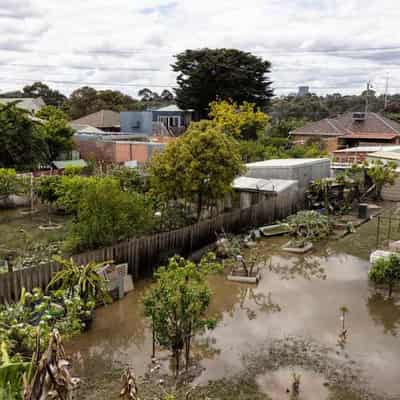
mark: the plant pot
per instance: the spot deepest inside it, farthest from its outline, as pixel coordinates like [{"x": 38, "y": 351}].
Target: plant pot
[
  {"x": 50, "y": 227},
  {"x": 29, "y": 211},
  {"x": 298, "y": 250}
]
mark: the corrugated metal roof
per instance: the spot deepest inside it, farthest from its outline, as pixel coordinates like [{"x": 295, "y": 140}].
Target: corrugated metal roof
[
  {"x": 28, "y": 104},
  {"x": 287, "y": 162},
  {"x": 246, "y": 184},
  {"x": 368, "y": 149},
  {"x": 386, "y": 155}
]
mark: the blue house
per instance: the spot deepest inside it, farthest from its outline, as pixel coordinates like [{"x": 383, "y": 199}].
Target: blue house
[{"x": 166, "y": 121}]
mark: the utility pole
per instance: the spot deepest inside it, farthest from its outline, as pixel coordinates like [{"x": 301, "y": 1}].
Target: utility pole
[
  {"x": 386, "y": 92},
  {"x": 367, "y": 96}
]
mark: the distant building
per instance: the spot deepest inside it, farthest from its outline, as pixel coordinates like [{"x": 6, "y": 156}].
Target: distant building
[
  {"x": 32, "y": 105},
  {"x": 116, "y": 148},
  {"x": 164, "y": 121},
  {"x": 106, "y": 120},
  {"x": 350, "y": 130},
  {"x": 303, "y": 91}
]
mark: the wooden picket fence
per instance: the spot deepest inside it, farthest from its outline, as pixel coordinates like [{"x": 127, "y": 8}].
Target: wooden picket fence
[{"x": 143, "y": 254}]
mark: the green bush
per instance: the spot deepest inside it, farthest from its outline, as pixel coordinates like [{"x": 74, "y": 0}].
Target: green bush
[
  {"x": 386, "y": 271},
  {"x": 106, "y": 214}
]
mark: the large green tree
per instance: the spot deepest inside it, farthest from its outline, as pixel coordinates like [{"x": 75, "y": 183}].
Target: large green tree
[
  {"x": 198, "y": 167},
  {"x": 50, "y": 96},
  {"x": 208, "y": 75},
  {"x": 56, "y": 132},
  {"x": 21, "y": 145},
  {"x": 87, "y": 100}
]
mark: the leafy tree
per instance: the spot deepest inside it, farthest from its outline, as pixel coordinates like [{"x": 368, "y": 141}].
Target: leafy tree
[
  {"x": 87, "y": 100},
  {"x": 50, "y": 96},
  {"x": 198, "y": 167},
  {"x": 106, "y": 215},
  {"x": 381, "y": 174},
  {"x": 166, "y": 95},
  {"x": 245, "y": 121},
  {"x": 177, "y": 304},
  {"x": 55, "y": 132},
  {"x": 49, "y": 112},
  {"x": 386, "y": 271},
  {"x": 21, "y": 146},
  {"x": 147, "y": 94},
  {"x": 129, "y": 178},
  {"x": 208, "y": 75},
  {"x": 10, "y": 183}
]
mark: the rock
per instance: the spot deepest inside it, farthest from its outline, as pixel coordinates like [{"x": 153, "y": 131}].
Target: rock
[{"x": 222, "y": 248}]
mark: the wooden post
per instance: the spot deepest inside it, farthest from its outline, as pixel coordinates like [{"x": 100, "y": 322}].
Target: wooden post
[
  {"x": 390, "y": 228},
  {"x": 378, "y": 227}
]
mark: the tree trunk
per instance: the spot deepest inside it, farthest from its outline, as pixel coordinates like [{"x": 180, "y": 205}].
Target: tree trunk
[
  {"x": 154, "y": 342},
  {"x": 187, "y": 352},
  {"x": 199, "y": 206},
  {"x": 390, "y": 290},
  {"x": 177, "y": 357}
]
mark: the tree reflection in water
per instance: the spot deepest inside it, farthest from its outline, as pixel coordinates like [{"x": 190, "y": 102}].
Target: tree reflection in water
[
  {"x": 248, "y": 298},
  {"x": 384, "y": 311},
  {"x": 307, "y": 267}
]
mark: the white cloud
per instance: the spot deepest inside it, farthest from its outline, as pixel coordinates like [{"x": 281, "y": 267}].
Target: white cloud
[{"x": 327, "y": 44}]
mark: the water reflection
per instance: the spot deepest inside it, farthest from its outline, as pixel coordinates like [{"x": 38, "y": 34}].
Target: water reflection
[
  {"x": 384, "y": 311},
  {"x": 306, "y": 267},
  {"x": 248, "y": 298}
]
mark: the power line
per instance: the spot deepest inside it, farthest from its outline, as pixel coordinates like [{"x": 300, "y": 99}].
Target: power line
[
  {"x": 162, "y": 85},
  {"x": 112, "y": 52},
  {"x": 83, "y": 67}
]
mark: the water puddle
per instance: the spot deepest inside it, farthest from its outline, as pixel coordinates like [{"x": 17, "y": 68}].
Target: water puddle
[
  {"x": 298, "y": 296},
  {"x": 278, "y": 385}
]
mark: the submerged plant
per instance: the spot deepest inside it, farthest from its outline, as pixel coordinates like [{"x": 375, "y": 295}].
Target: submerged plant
[
  {"x": 386, "y": 271},
  {"x": 309, "y": 226},
  {"x": 81, "y": 280}
]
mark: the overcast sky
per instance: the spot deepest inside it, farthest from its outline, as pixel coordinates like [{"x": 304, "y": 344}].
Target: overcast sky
[{"x": 330, "y": 45}]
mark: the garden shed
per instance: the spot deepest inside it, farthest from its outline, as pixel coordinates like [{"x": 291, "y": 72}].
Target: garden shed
[
  {"x": 252, "y": 190},
  {"x": 303, "y": 170}
]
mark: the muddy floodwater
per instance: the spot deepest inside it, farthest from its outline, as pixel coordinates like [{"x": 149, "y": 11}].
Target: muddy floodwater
[{"x": 299, "y": 298}]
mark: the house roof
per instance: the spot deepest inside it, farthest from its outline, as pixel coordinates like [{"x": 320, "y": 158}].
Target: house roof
[
  {"x": 370, "y": 135},
  {"x": 100, "y": 119},
  {"x": 79, "y": 128},
  {"x": 368, "y": 149},
  {"x": 172, "y": 108},
  {"x": 29, "y": 104},
  {"x": 287, "y": 162},
  {"x": 374, "y": 125},
  {"x": 386, "y": 155},
  {"x": 246, "y": 184}
]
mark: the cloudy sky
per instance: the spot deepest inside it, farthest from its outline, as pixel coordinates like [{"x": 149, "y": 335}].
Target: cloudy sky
[{"x": 330, "y": 45}]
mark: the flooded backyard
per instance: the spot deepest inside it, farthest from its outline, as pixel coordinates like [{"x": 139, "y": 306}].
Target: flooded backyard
[{"x": 287, "y": 324}]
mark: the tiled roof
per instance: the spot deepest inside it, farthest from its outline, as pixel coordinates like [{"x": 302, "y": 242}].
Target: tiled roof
[
  {"x": 100, "y": 119},
  {"x": 344, "y": 125},
  {"x": 369, "y": 135}
]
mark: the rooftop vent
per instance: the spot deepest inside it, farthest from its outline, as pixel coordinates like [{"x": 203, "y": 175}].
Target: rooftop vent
[{"x": 359, "y": 116}]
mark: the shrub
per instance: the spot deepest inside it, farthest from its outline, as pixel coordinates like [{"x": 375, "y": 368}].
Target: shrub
[
  {"x": 309, "y": 226},
  {"x": 386, "y": 271},
  {"x": 106, "y": 215}
]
